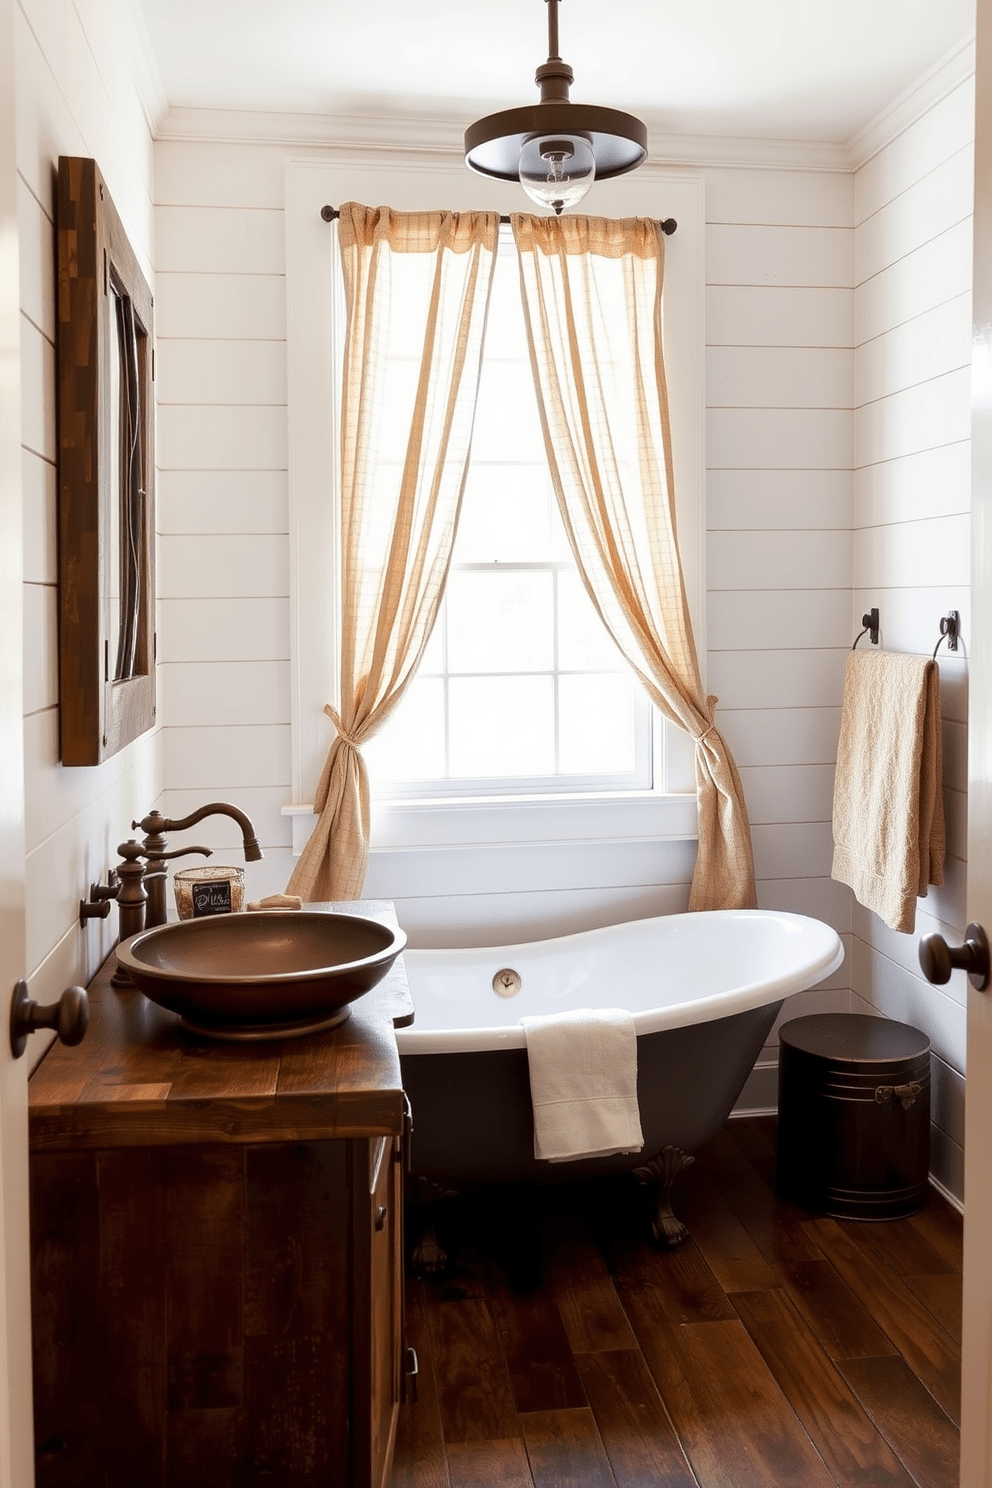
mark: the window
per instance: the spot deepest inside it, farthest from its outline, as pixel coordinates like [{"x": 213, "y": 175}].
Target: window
[
  {"x": 521, "y": 689},
  {"x": 654, "y": 797}
]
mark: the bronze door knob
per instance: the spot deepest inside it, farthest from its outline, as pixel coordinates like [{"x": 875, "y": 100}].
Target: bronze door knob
[
  {"x": 938, "y": 959},
  {"x": 69, "y": 1017}
]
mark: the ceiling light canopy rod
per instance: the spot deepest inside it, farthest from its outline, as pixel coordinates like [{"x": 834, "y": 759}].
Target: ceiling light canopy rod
[
  {"x": 553, "y": 31},
  {"x": 554, "y": 77},
  {"x": 668, "y": 226}
]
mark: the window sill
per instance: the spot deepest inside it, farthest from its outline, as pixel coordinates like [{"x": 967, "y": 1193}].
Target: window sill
[{"x": 484, "y": 822}]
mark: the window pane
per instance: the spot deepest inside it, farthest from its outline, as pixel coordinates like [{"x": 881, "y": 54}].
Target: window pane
[
  {"x": 507, "y": 515},
  {"x": 506, "y": 418},
  {"x": 584, "y": 642},
  {"x": 500, "y": 622},
  {"x": 432, "y": 660},
  {"x": 396, "y": 398},
  {"x": 501, "y": 726},
  {"x": 506, "y": 333},
  {"x": 410, "y": 745},
  {"x": 408, "y": 274},
  {"x": 596, "y": 724}
]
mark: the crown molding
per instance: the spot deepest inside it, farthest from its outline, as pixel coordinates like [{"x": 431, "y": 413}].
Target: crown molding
[
  {"x": 429, "y": 138},
  {"x": 953, "y": 69},
  {"x": 366, "y": 133},
  {"x": 733, "y": 152}
]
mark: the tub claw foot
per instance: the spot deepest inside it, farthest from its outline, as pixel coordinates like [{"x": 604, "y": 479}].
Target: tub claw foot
[
  {"x": 428, "y": 1257},
  {"x": 658, "y": 1176}
]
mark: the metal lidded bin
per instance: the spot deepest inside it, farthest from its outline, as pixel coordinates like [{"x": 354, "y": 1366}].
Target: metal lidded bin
[{"x": 854, "y": 1116}]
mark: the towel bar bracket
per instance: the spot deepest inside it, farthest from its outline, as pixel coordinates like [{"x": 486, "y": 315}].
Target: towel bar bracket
[
  {"x": 870, "y": 623},
  {"x": 949, "y": 629}
]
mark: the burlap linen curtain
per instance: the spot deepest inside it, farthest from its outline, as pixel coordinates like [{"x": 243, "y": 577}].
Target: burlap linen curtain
[
  {"x": 405, "y": 432},
  {"x": 592, "y": 300}
]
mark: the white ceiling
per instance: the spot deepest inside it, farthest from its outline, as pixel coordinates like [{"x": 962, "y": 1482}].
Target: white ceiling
[{"x": 763, "y": 69}]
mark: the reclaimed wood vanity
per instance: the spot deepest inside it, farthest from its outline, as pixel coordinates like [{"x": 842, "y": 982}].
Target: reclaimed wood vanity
[{"x": 217, "y": 1268}]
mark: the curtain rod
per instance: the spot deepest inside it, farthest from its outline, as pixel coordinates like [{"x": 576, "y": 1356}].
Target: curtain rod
[{"x": 668, "y": 226}]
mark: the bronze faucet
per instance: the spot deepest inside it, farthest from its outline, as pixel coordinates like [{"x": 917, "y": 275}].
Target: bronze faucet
[
  {"x": 155, "y": 826},
  {"x": 140, "y": 878}
]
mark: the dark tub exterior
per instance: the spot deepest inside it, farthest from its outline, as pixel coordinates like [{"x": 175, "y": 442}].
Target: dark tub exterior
[{"x": 472, "y": 1121}]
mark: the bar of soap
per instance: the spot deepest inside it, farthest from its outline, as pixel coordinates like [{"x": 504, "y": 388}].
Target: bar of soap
[{"x": 277, "y": 901}]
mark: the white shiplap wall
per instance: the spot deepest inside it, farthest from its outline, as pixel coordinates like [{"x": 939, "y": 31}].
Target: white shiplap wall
[
  {"x": 223, "y": 516},
  {"x": 912, "y": 503},
  {"x": 780, "y": 374},
  {"x": 780, "y": 338},
  {"x": 75, "y": 97}
]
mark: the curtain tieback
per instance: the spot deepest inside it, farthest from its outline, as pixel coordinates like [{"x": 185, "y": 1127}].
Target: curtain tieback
[
  {"x": 711, "y": 703},
  {"x": 324, "y": 784},
  {"x": 342, "y": 732}
]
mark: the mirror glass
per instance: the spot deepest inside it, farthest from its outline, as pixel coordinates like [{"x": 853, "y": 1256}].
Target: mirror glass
[{"x": 127, "y": 565}]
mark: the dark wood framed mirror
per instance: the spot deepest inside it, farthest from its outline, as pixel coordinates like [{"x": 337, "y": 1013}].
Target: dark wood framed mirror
[{"x": 106, "y": 475}]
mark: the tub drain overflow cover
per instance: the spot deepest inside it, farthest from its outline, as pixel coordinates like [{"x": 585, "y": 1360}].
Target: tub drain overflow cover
[{"x": 507, "y": 983}]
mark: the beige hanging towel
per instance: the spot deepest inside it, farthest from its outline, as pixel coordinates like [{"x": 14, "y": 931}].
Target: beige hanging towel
[
  {"x": 888, "y": 809},
  {"x": 583, "y": 1083}
]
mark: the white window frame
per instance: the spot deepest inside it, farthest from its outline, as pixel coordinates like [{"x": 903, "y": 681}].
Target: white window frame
[{"x": 668, "y": 810}]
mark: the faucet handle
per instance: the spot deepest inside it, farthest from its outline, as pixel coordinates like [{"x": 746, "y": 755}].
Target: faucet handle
[
  {"x": 93, "y": 909},
  {"x": 109, "y": 890},
  {"x": 152, "y": 823}
]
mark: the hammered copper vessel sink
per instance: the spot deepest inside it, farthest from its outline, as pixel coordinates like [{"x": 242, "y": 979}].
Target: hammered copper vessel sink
[{"x": 261, "y": 974}]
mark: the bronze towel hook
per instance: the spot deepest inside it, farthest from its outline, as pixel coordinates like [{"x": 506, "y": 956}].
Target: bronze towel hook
[
  {"x": 870, "y": 623},
  {"x": 949, "y": 630}
]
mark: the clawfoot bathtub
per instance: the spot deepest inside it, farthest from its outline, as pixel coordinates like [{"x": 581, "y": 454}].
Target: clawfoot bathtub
[{"x": 704, "y": 991}]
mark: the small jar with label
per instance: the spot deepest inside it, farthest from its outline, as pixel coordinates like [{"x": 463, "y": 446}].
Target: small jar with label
[{"x": 209, "y": 891}]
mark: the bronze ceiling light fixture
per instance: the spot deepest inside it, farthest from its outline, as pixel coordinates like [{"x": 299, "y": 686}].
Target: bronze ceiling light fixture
[{"x": 556, "y": 149}]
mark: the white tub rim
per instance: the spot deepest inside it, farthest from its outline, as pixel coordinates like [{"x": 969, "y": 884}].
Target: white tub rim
[{"x": 824, "y": 954}]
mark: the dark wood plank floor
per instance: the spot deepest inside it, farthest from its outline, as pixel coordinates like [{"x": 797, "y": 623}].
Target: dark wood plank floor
[{"x": 562, "y": 1348}]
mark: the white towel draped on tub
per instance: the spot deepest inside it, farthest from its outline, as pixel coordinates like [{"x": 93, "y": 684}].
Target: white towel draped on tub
[
  {"x": 583, "y": 1084},
  {"x": 888, "y": 810}
]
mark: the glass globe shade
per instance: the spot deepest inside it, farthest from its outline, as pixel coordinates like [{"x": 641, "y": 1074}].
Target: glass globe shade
[{"x": 556, "y": 170}]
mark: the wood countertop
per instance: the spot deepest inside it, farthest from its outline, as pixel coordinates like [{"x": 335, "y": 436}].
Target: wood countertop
[{"x": 139, "y": 1079}]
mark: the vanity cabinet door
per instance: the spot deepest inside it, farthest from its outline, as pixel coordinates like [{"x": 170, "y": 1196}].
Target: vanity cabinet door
[
  {"x": 194, "y": 1316},
  {"x": 379, "y": 1299}
]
